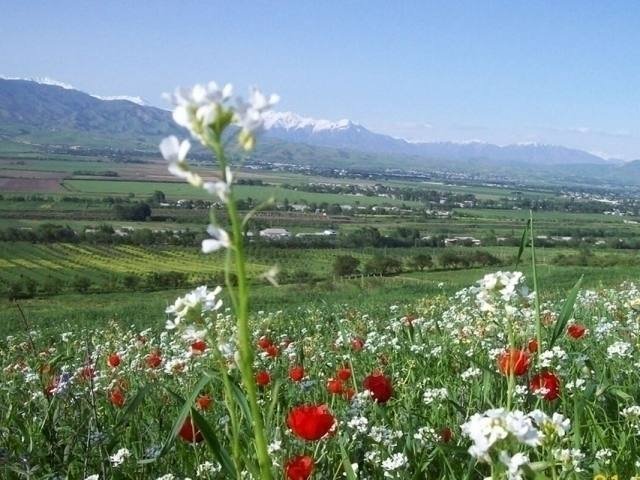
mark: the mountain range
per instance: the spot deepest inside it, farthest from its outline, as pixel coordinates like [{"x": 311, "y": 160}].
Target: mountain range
[
  {"x": 347, "y": 134},
  {"x": 46, "y": 113}
]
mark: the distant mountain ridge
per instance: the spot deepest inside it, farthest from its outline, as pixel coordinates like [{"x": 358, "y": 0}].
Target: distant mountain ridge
[
  {"x": 347, "y": 134},
  {"x": 49, "y": 112},
  {"x": 58, "y": 115}
]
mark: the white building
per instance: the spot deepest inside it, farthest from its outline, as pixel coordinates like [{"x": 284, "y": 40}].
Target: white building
[{"x": 275, "y": 233}]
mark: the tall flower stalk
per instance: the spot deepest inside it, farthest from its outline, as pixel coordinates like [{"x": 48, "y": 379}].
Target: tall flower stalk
[{"x": 205, "y": 110}]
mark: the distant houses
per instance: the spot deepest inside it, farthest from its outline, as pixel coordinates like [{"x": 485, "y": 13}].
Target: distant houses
[
  {"x": 466, "y": 241},
  {"x": 283, "y": 234},
  {"x": 275, "y": 234},
  {"x": 324, "y": 233}
]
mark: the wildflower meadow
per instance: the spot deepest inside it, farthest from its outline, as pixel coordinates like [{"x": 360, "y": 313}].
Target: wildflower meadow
[{"x": 495, "y": 382}]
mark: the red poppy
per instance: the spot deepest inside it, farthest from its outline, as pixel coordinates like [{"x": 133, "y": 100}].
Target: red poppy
[
  {"x": 264, "y": 343},
  {"x": 546, "y": 383},
  {"x": 263, "y": 378},
  {"x": 446, "y": 435},
  {"x": 533, "y": 345},
  {"x": 299, "y": 468},
  {"x": 349, "y": 393},
  {"x": 87, "y": 373},
  {"x": 344, "y": 373},
  {"x": 272, "y": 351},
  {"x": 576, "y": 331},
  {"x": 310, "y": 422},
  {"x": 204, "y": 401},
  {"x": 514, "y": 361},
  {"x": 198, "y": 346},
  {"x": 113, "y": 360},
  {"x": 296, "y": 373},
  {"x": 357, "y": 344},
  {"x": 335, "y": 386},
  {"x": 116, "y": 397},
  {"x": 51, "y": 387},
  {"x": 154, "y": 359},
  {"x": 189, "y": 432},
  {"x": 379, "y": 386}
]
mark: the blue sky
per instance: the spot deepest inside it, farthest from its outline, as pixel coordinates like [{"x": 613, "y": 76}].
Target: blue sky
[{"x": 499, "y": 71}]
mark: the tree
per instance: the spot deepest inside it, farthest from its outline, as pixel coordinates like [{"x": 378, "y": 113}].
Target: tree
[
  {"x": 422, "y": 261},
  {"x": 157, "y": 197},
  {"x": 136, "y": 212},
  {"x": 380, "y": 265},
  {"x": 345, "y": 265}
]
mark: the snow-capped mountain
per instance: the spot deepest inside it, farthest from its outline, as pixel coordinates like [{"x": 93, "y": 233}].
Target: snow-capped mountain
[
  {"x": 43, "y": 106},
  {"x": 346, "y": 134},
  {"x": 339, "y": 134}
]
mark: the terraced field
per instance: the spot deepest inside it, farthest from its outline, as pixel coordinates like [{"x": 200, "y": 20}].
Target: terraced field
[{"x": 66, "y": 261}]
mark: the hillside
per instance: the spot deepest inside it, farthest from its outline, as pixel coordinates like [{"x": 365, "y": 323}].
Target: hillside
[{"x": 36, "y": 116}]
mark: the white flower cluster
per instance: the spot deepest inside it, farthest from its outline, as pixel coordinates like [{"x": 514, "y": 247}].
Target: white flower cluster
[
  {"x": 619, "y": 349},
  {"x": 501, "y": 428},
  {"x": 570, "y": 459},
  {"x": 119, "y": 457},
  {"x": 195, "y": 305},
  {"x": 204, "y": 110},
  {"x": 552, "y": 357},
  {"x": 488, "y": 428},
  {"x": 432, "y": 394},
  {"x": 203, "y": 106},
  {"x": 393, "y": 463},
  {"x": 498, "y": 287}
]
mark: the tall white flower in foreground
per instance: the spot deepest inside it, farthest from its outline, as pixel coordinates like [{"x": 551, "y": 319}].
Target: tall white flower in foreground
[
  {"x": 199, "y": 107},
  {"x": 220, "y": 188},
  {"x": 220, "y": 239},
  {"x": 175, "y": 152},
  {"x": 250, "y": 115}
]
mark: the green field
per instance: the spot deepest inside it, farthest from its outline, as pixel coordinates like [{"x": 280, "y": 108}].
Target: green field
[{"x": 176, "y": 190}]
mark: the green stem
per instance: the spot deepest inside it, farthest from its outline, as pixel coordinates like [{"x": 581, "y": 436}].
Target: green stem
[
  {"x": 511, "y": 365},
  {"x": 233, "y": 415},
  {"x": 536, "y": 299},
  {"x": 244, "y": 336}
]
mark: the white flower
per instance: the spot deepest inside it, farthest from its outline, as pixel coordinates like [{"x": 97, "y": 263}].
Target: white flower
[
  {"x": 556, "y": 425},
  {"x": 249, "y": 115},
  {"x": 514, "y": 464},
  {"x": 220, "y": 188},
  {"x": 208, "y": 468},
  {"x": 199, "y": 107},
  {"x": 570, "y": 459},
  {"x": 619, "y": 349},
  {"x": 495, "y": 425},
  {"x": 220, "y": 240},
  {"x": 196, "y": 303},
  {"x": 274, "y": 447},
  {"x": 360, "y": 424},
  {"x": 119, "y": 457},
  {"x": 394, "y": 462},
  {"x": 173, "y": 150},
  {"x": 95, "y": 476},
  {"x": 432, "y": 394}
]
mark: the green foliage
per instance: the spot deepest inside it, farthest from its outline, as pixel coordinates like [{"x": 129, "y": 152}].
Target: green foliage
[{"x": 345, "y": 265}]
